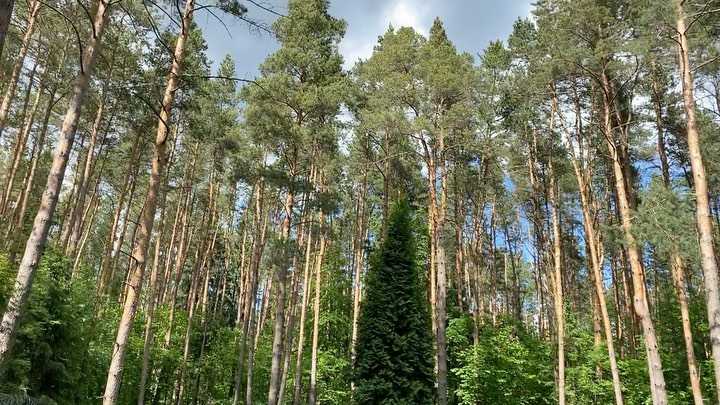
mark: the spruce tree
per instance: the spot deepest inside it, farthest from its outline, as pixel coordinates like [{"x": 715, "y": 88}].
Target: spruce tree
[{"x": 394, "y": 363}]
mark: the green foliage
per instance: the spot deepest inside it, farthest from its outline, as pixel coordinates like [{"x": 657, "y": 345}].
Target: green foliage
[
  {"x": 334, "y": 368},
  {"x": 509, "y": 365},
  {"x": 47, "y": 358},
  {"x": 394, "y": 349}
]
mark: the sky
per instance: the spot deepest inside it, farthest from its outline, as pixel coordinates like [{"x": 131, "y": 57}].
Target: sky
[{"x": 470, "y": 25}]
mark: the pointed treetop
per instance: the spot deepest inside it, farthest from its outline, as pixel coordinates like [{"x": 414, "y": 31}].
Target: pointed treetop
[{"x": 437, "y": 31}]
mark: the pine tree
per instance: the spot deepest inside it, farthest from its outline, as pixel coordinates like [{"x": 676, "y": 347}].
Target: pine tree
[{"x": 394, "y": 362}]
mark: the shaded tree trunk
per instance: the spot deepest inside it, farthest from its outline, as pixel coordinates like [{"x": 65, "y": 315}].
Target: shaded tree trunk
[{"x": 6, "y": 7}]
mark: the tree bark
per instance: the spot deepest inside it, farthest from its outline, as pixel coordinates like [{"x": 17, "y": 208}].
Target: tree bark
[
  {"x": 251, "y": 287},
  {"x": 6, "y": 7},
  {"x": 677, "y": 275},
  {"x": 37, "y": 153},
  {"x": 154, "y": 290},
  {"x": 580, "y": 162},
  {"x": 316, "y": 311},
  {"x": 21, "y": 141},
  {"x": 657, "y": 378},
  {"x": 38, "y": 236},
  {"x": 557, "y": 279},
  {"x": 142, "y": 242},
  {"x": 702, "y": 207},
  {"x": 277, "y": 347},
  {"x": 104, "y": 272},
  {"x": 297, "y": 383},
  {"x": 76, "y": 214},
  {"x": 359, "y": 253}
]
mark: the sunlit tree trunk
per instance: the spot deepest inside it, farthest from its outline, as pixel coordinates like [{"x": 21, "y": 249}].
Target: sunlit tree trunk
[
  {"x": 316, "y": 310},
  {"x": 142, "y": 242},
  {"x": 6, "y": 7},
  {"x": 297, "y": 384},
  {"x": 579, "y": 161},
  {"x": 36, "y": 242},
  {"x": 657, "y": 378},
  {"x": 152, "y": 300},
  {"x": 76, "y": 213},
  {"x": 20, "y": 142},
  {"x": 359, "y": 253},
  {"x": 704, "y": 224},
  {"x": 104, "y": 272},
  {"x": 557, "y": 281},
  {"x": 38, "y": 149}
]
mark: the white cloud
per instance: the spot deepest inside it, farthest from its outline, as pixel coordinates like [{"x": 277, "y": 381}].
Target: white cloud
[
  {"x": 357, "y": 44},
  {"x": 354, "y": 49},
  {"x": 407, "y": 13}
]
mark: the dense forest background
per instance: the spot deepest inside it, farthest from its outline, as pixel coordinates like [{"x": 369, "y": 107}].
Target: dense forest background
[{"x": 171, "y": 233}]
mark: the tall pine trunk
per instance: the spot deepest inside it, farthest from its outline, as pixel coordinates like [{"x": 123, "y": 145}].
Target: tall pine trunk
[
  {"x": 250, "y": 289},
  {"x": 7, "y": 6},
  {"x": 277, "y": 347},
  {"x": 640, "y": 304},
  {"x": 142, "y": 242},
  {"x": 316, "y": 311},
  {"x": 704, "y": 224},
  {"x": 579, "y": 162},
  {"x": 36, "y": 242},
  {"x": 557, "y": 279}
]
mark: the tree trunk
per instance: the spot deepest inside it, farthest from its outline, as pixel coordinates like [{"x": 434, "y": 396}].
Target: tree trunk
[
  {"x": 677, "y": 275},
  {"x": 580, "y": 163},
  {"x": 441, "y": 274},
  {"x": 359, "y": 254},
  {"x": 295, "y": 292},
  {"x": 192, "y": 308},
  {"x": 140, "y": 248},
  {"x": 657, "y": 378},
  {"x": 557, "y": 279},
  {"x": 262, "y": 314},
  {"x": 297, "y": 383},
  {"x": 316, "y": 311},
  {"x": 6, "y": 7},
  {"x": 182, "y": 251},
  {"x": 37, "y": 153},
  {"x": 251, "y": 287},
  {"x": 38, "y": 236},
  {"x": 21, "y": 141},
  {"x": 277, "y": 347},
  {"x": 657, "y": 105},
  {"x": 36, "y": 242},
  {"x": 709, "y": 263},
  {"x": 104, "y": 272},
  {"x": 154, "y": 290},
  {"x": 76, "y": 214}
]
